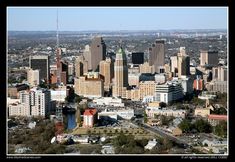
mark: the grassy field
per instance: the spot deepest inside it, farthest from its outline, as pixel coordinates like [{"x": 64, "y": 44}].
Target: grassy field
[{"x": 137, "y": 132}]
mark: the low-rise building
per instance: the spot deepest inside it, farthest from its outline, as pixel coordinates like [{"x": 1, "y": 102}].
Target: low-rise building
[
  {"x": 151, "y": 144},
  {"x": 109, "y": 101},
  {"x": 203, "y": 112},
  {"x": 151, "y": 111},
  {"x": 89, "y": 117},
  {"x": 216, "y": 119},
  {"x": 116, "y": 114},
  {"x": 59, "y": 94}
]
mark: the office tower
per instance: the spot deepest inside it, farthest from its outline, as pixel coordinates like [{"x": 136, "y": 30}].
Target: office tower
[
  {"x": 219, "y": 73},
  {"x": 70, "y": 69},
  {"x": 90, "y": 85},
  {"x": 107, "y": 70},
  {"x": 87, "y": 56},
  {"x": 120, "y": 74},
  {"x": 174, "y": 64},
  {"x": 198, "y": 83},
  {"x": 33, "y": 77},
  {"x": 146, "y": 68},
  {"x": 157, "y": 55},
  {"x": 209, "y": 58},
  {"x": 81, "y": 66},
  {"x": 137, "y": 57},
  {"x": 98, "y": 52},
  {"x": 183, "y": 64},
  {"x": 168, "y": 92},
  {"x": 42, "y": 63},
  {"x": 64, "y": 72}
]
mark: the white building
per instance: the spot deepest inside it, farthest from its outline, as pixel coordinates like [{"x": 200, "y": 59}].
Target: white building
[
  {"x": 206, "y": 96},
  {"x": 117, "y": 114},
  {"x": 35, "y": 102},
  {"x": 151, "y": 111},
  {"x": 160, "y": 78},
  {"x": 151, "y": 144},
  {"x": 33, "y": 77},
  {"x": 59, "y": 94},
  {"x": 171, "y": 91},
  {"x": 214, "y": 143},
  {"x": 148, "y": 99},
  {"x": 187, "y": 85},
  {"x": 18, "y": 110},
  {"x": 109, "y": 101}
]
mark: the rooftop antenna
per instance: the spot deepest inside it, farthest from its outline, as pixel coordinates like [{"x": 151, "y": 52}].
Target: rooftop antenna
[
  {"x": 58, "y": 52},
  {"x": 57, "y": 30},
  {"x": 120, "y": 41}
]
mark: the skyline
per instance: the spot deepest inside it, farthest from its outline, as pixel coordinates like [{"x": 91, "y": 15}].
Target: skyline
[{"x": 122, "y": 18}]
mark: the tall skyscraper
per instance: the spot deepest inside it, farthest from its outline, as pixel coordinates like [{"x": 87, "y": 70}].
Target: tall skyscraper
[
  {"x": 137, "y": 57},
  {"x": 120, "y": 74},
  {"x": 81, "y": 66},
  {"x": 107, "y": 70},
  {"x": 174, "y": 64},
  {"x": 209, "y": 58},
  {"x": 183, "y": 63},
  {"x": 42, "y": 63},
  {"x": 157, "y": 55},
  {"x": 98, "y": 52}
]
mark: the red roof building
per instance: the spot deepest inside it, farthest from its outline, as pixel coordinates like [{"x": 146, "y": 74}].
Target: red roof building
[
  {"x": 214, "y": 119},
  {"x": 89, "y": 117}
]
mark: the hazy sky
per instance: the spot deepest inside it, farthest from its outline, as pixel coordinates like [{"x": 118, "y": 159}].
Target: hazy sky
[{"x": 78, "y": 19}]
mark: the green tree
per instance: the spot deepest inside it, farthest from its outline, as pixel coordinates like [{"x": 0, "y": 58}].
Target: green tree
[
  {"x": 185, "y": 126},
  {"x": 203, "y": 126},
  {"x": 162, "y": 104},
  {"x": 145, "y": 117},
  {"x": 221, "y": 129}
]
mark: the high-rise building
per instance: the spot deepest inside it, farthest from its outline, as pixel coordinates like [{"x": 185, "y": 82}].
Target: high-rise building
[
  {"x": 174, "y": 64},
  {"x": 198, "y": 84},
  {"x": 98, "y": 52},
  {"x": 157, "y": 55},
  {"x": 42, "y": 63},
  {"x": 87, "y": 56},
  {"x": 146, "y": 68},
  {"x": 219, "y": 73},
  {"x": 120, "y": 74},
  {"x": 37, "y": 101},
  {"x": 81, "y": 66},
  {"x": 137, "y": 57},
  {"x": 209, "y": 58},
  {"x": 70, "y": 69},
  {"x": 147, "y": 88},
  {"x": 183, "y": 64},
  {"x": 107, "y": 70},
  {"x": 90, "y": 85},
  {"x": 169, "y": 92},
  {"x": 33, "y": 77},
  {"x": 64, "y": 72}
]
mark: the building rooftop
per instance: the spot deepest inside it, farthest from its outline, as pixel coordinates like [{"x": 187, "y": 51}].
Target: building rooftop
[
  {"x": 90, "y": 111},
  {"x": 218, "y": 117}
]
